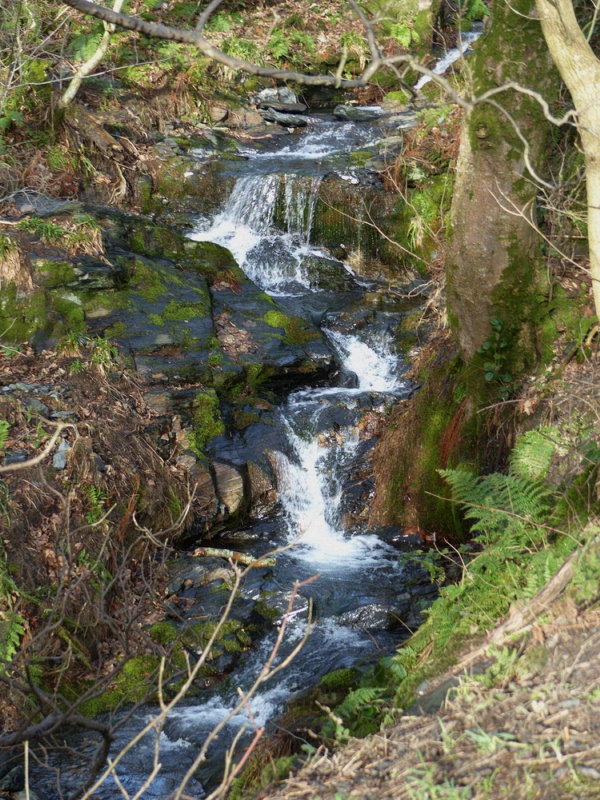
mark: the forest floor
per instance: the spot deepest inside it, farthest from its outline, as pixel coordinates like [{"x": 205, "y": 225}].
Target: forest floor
[{"x": 534, "y": 733}]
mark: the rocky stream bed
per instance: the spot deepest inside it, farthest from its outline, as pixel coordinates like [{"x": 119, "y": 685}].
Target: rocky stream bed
[{"x": 267, "y": 349}]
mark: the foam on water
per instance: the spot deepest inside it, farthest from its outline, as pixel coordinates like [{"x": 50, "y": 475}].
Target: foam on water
[{"x": 375, "y": 365}]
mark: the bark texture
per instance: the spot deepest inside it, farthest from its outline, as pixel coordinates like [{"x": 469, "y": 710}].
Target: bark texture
[
  {"x": 580, "y": 70},
  {"x": 492, "y": 254}
]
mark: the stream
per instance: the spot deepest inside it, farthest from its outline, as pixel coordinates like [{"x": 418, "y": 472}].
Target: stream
[{"x": 365, "y": 599}]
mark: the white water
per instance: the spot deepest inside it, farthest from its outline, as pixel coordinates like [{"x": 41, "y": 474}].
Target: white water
[
  {"x": 375, "y": 366},
  {"x": 270, "y": 257},
  {"x": 320, "y": 142},
  {"x": 466, "y": 39}
]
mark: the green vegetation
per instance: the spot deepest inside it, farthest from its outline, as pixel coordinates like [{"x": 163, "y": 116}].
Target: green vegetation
[
  {"x": 207, "y": 421},
  {"x": 297, "y": 330}
]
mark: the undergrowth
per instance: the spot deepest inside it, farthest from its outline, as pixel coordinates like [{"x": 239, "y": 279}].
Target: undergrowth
[{"x": 524, "y": 524}]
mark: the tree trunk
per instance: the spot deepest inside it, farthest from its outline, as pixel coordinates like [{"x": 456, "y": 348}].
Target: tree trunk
[
  {"x": 580, "y": 70},
  {"x": 492, "y": 258}
]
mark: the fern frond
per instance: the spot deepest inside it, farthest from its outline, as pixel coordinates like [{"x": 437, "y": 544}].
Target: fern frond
[{"x": 532, "y": 454}]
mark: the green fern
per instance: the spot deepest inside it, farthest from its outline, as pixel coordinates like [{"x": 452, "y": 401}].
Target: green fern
[
  {"x": 4, "y": 429},
  {"x": 532, "y": 454},
  {"x": 12, "y": 630},
  {"x": 499, "y": 503}
]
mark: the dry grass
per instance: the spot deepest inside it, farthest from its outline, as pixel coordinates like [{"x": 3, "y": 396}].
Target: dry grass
[{"x": 534, "y": 734}]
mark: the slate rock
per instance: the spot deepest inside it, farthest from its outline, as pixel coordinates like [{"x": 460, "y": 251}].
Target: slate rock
[
  {"x": 356, "y": 114},
  {"x": 284, "y": 108},
  {"x": 13, "y": 781},
  {"x": 281, "y": 94},
  {"x": 328, "y": 274},
  {"x": 287, "y": 120},
  {"x": 59, "y": 460},
  {"x": 378, "y": 616},
  {"x": 230, "y": 486},
  {"x": 37, "y": 407}
]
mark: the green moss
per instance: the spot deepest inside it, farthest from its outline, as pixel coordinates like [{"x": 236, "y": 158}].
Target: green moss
[
  {"x": 215, "y": 359},
  {"x": 156, "y": 319},
  {"x": 243, "y": 419},
  {"x": 296, "y": 329},
  {"x": 340, "y": 679},
  {"x": 360, "y": 157},
  {"x": 183, "y": 312},
  {"x": 163, "y": 632},
  {"x": 59, "y": 273},
  {"x": 148, "y": 282},
  {"x": 116, "y": 331},
  {"x": 199, "y": 634},
  {"x": 265, "y": 610},
  {"x": 21, "y": 317},
  {"x": 132, "y": 685},
  {"x": 209, "y": 258},
  {"x": 207, "y": 421},
  {"x": 73, "y": 314}
]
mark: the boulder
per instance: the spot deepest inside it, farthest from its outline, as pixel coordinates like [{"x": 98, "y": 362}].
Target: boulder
[
  {"x": 281, "y": 94},
  {"x": 239, "y": 118},
  {"x": 328, "y": 274},
  {"x": 218, "y": 113},
  {"x": 287, "y": 120},
  {"x": 379, "y": 616},
  {"x": 262, "y": 491},
  {"x": 356, "y": 113},
  {"x": 230, "y": 486},
  {"x": 285, "y": 108}
]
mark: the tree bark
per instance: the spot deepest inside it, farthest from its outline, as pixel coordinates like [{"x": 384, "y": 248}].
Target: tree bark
[
  {"x": 491, "y": 260},
  {"x": 580, "y": 70}
]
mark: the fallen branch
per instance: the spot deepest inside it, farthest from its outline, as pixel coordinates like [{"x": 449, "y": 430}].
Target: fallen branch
[{"x": 232, "y": 555}]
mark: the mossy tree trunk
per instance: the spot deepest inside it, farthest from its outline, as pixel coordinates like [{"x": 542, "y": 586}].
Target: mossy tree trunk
[
  {"x": 580, "y": 70},
  {"x": 492, "y": 259}
]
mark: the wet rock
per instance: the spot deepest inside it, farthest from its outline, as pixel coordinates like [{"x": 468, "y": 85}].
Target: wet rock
[
  {"x": 82, "y": 273},
  {"x": 405, "y": 120},
  {"x": 190, "y": 572},
  {"x": 230, "y": 486},
  {"x": 379, "y": 616},
  {"x": 328, "y": 274},
  {"x": 262, "y": 492},
  {"x": 13, "y": 781},
  {"x": 59, "y": 460},
  {"x": 158, "y": 401},
  {"x": 285, "y": 108},
  {"x": 206, "y": 504},
  {"x": 44, "y": 206},
  {"x": 276, "y": 350},
  {"x": 240, "y": 118},
  {"x": 358, "y": 489},
  {"x": 356, "y": 114},
  {"x": 287, "y": 120},
  {"x": 16, "y": 457}
]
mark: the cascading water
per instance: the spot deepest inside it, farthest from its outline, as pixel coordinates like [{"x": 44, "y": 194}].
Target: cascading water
[
  {"x": 362, "y": 584},
  {"x": 270, "y": 256}
]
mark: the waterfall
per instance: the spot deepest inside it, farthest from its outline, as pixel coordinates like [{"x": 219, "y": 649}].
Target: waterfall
[
  {"x": 270, "y": 256},
  {"x": 300, "y": 200},
  {"x": 375, "y": 364}
]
